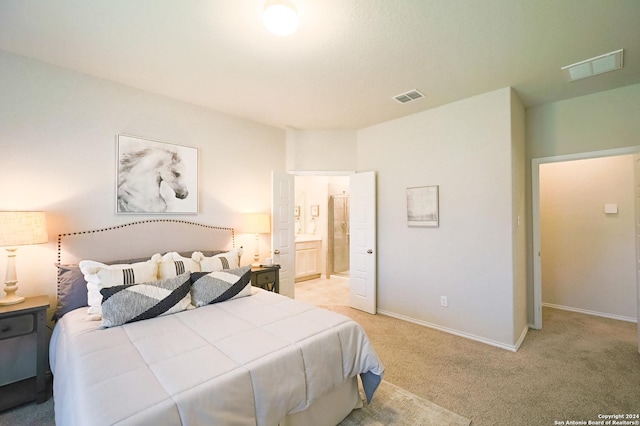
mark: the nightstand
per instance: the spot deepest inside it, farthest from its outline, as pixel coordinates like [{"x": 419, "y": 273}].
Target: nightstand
[
  {"x": 28, "y": 317},
  {"x": 266, "y": 277}
]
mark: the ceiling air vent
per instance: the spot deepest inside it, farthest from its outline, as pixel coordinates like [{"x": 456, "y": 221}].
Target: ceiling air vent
[
  {"x": 409, "y": 96},
  {"x": 589, "y": 67}
]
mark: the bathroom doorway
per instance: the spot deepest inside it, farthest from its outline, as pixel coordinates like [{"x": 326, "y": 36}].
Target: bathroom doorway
[
  {"x": 322, "y": 226},
  {"x": 338, "y": 236}
]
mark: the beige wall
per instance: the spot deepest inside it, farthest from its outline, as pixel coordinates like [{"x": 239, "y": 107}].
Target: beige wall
[
  {"x": 58, "y": 138},
  {"x": 321, "y": 150},
  {"x": 595, "y": 122},
  {"x": 588, "y": 257},
  {"x": 466, "y": 148}
]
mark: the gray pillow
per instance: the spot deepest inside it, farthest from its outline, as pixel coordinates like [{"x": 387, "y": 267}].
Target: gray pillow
[
  {"x": 122, "y": 304},
  {"x": 218, "y": 286},
  {"x": 72, "y": 290}
]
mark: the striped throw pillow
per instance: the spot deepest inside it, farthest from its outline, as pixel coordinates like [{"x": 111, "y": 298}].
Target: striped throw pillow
[
  {"x": 135, "y": 302},
  {"x": 218, "y": 286}
]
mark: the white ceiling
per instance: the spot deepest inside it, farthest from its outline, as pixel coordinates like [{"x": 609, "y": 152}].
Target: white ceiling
[{"x": 346, "y": 61}]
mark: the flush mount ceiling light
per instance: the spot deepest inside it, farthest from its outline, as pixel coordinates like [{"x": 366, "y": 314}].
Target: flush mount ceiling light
[
  {"x": 280, "y": 17},
  {"x": 588, "y": 68}
]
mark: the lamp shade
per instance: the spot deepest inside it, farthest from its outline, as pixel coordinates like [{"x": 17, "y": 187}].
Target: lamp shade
[
  {"x": 22, "y": 228},
  {"x": 256, "y": 223}
]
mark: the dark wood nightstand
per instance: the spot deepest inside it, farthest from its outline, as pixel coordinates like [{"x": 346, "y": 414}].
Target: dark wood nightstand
[
  {"x": 28, "y": 317},
  {"x": 266, "y": 277}
]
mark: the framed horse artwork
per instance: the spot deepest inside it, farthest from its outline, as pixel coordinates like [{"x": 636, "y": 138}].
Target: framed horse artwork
[{"x": 156, "y": 177}]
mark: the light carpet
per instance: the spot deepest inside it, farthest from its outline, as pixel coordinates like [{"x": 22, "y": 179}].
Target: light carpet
[{"x": 391, "y": 405}]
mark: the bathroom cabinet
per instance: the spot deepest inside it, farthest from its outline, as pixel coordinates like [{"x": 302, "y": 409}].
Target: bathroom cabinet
[{"x": 308, "y": 259}]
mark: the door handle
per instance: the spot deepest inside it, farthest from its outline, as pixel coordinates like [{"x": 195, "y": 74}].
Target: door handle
[
  {"x": 276, "y": 251},
  {"x": 369, "y": 251}
]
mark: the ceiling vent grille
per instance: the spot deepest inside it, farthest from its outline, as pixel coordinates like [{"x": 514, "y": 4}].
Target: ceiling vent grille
[
  {"x": 589, "y": 67},
  {"x": 409, "y": 96}
]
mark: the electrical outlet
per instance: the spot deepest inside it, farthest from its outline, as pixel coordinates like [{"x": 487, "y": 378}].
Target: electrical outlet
[{"x": 443, "y": 301}]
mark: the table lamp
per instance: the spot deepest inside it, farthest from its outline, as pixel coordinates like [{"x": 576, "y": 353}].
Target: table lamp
[
  {"x": 257, "y": 223},
  {"x": 19, "y": 229}
]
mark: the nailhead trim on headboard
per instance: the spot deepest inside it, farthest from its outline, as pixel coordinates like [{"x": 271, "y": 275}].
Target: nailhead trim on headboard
[{"x": 233, "y": 241}]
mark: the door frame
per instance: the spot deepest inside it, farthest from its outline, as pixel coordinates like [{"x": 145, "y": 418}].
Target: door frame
[{"x": 535, "y": 204}]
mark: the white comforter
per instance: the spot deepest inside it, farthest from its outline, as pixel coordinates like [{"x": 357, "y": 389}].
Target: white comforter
[{"x": 246, "y": 361}]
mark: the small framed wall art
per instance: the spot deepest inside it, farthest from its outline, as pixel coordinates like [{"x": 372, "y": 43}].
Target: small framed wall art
[
  {"x": 155, "y": 177},
  {"x": 315, "y": 210},
  {"x": 422, "y": 206}
]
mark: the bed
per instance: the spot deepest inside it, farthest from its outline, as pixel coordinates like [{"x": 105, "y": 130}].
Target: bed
[{"x": 244, "y": 356}]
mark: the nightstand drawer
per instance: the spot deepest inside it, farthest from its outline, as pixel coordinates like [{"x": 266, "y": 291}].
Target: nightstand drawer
[
  {"x": 16, "y": 326},
  {"x": 266, "y": 278}
]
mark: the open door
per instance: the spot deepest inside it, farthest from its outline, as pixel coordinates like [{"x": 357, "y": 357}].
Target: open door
[
  {"x": 362, "y": 277},
  {"x": 282, "y": 229}
]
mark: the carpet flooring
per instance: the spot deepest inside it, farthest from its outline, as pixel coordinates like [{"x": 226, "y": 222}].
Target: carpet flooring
[{"x": 575, "y": 369}]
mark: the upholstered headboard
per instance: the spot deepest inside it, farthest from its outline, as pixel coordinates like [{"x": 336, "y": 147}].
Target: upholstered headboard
[
  {"x": 142, "y": 238},
  {"x": 136, "y": 240}
]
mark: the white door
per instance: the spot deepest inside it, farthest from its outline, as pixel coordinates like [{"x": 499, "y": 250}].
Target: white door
[
  {"x": 282, "y": 229},
  {"x": 362, "y": 223}
]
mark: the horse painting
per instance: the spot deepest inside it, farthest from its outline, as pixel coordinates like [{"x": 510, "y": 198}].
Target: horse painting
[{"x": 142, "y": 177}]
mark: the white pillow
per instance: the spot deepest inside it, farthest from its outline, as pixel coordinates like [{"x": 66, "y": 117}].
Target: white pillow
[
  {"x": 99, "y": 275},
  {"x": 228, "y": 260},
  {"x": 172, "y": 264}
]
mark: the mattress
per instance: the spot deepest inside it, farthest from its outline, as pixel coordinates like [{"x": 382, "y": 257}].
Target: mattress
[{"x": 248, "y": 361}]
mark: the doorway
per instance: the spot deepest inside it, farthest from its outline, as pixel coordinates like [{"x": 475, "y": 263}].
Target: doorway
[
  {"x": 538, "y": 246},
  {"x": 322, "y": 236},
  {"x": 362, "y": 241},
  {"x": 338, "y": 236}
]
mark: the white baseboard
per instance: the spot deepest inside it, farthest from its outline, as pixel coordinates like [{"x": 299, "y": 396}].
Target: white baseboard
[
  {"x": 512, "y": 348},
  {"x": 522, "y": 336},
  {"x": 588, "y": 312}
]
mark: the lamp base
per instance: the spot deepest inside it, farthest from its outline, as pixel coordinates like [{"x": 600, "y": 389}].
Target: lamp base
[
  {"x": 11, "y": 282},
  {"x": 10, "y": 287},
  {"x": 11, "y": 299}
]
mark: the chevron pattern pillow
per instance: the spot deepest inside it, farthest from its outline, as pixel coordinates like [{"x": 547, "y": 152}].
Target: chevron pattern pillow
[
  {"x": 135, "y": 302},
  {"x": 218, "y": 286}
]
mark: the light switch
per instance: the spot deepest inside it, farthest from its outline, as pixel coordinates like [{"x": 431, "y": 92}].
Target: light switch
[{"x": 611, "y": 208}]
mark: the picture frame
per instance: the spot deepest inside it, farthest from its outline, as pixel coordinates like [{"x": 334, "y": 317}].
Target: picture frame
[
  {"x": 315, "y": 210},
  {"x": 296, "y": 211},
  {"x": 423, "y": 206},
  {"x": 154, "y": 177}
]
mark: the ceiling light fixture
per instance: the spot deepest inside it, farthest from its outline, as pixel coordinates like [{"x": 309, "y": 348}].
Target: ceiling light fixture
[
  {"x": 589, "y": 67},
  {"x": 280, "y": 17}
]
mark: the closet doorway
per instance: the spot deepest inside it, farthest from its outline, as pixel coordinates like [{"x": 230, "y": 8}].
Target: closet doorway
[{"x": 587, "y": 200}]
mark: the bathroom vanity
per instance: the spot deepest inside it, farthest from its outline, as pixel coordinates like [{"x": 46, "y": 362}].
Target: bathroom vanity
[{"x": 308, "y": 261}]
